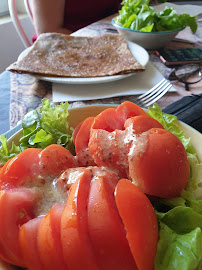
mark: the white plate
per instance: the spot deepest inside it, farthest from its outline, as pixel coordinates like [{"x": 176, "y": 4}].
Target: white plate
[
  {"x": 76, "y": 115},
  {"x": 138, "y": 52}
]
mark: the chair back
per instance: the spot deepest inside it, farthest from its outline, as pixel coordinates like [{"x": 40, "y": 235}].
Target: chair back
[{"x": 16, "y": 21}]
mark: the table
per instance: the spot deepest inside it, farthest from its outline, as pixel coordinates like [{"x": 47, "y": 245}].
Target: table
[{"x": 27, "y": 91}]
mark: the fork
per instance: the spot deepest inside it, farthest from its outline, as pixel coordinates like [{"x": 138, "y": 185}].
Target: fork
[{"x": 154, "y": 94}]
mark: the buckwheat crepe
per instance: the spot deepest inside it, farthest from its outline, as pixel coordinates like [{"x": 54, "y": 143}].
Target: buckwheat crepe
[{"x": 61, "y": 55}]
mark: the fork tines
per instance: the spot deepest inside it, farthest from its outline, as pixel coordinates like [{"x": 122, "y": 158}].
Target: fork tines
[{"x": 154, "y": 94}]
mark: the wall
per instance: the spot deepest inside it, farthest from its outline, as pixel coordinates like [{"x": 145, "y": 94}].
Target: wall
[{"x": 10, "y": 43}]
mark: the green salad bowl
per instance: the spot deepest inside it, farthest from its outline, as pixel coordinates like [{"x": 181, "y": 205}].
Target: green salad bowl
[{"x": 148, "y": 40}]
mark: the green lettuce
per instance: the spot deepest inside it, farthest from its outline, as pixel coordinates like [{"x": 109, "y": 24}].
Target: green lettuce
[
  {"x": 178, "y": 251},
  {"x": 5, "y": 152},
  {"x": 138, "y": 15},
  {"x": 40, "y": 129},
  {"x": 50, "y": 126},
  {"x": 180, "y": 219}
]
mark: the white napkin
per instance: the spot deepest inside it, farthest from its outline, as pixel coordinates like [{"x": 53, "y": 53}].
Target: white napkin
[{"x": 134, "y": 85}]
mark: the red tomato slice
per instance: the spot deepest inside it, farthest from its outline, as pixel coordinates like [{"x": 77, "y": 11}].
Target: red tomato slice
[
  {"x": 102, "y": 147},
  {"x": 107, "y": 120},
  {"x": 166, "y": 163},
  {"x": 110, "y": 149},
  {"x": 142, "y": 123},
  {"x": 76, "y": 130},
  {"x": 106, "y": 230},
  {"x": 83, "y": 155},
  {"x": 139, "y": 219},
  {"x": 20, "y": 169},
  {"x": 28, "y": 234},
  {"x": 49, "y": 241},
  {"x": 16, "y": 208},
  {"x": 127, "y": 110},
  {"x": 55, "y": 159},
  {"x": 83, "y": 135},
  {"x": 76, "y": 244}
]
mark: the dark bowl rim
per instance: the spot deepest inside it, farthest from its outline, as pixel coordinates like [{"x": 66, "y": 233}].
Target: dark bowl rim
[{"x": 151, "y": 33}]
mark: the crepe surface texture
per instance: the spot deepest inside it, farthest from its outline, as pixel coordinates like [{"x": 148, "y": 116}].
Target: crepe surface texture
[{"x": 58, "y": 55}]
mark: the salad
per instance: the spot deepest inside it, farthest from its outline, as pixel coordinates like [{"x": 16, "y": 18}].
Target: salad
[
  {"x": 120, "y": 187},
  {"x": 139, "y": 15}
]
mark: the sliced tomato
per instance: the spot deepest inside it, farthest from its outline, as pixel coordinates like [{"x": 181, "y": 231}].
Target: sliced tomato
[
  {"x": 142, "y": 123},
  {"x": 102, "y": 147},
  {"x": 127, "y": 110},
  {"x": 77, "y": 249},
  {"x": 83, "y": 135},
  {"x": 106, "y": 230},
  {"x": 55, "y": 159},
  {"x": 20, "y": 169},
  {"x": 111, "y": 149},
  {"x": 76, "y": 130},
  {"x": 49, "y": 240},
  {"x": 107, "y": 120},
  {"x": 140, "y": 222},
  {"x": 16, "y": 208},
  {"x": 166, "y": 163},
  {"x": 28, "y": 235},
  {"x": 67, "y": 178},
  {"x": 83, "y": 155}
]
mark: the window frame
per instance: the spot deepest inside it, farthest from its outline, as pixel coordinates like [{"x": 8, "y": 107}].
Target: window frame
[{"x": 4, "y": 8}]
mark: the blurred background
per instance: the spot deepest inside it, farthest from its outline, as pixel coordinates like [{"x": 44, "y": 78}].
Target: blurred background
[{"x": 10, "y": 44}]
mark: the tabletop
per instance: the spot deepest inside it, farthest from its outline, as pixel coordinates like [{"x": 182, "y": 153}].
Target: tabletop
[{"x": 27, "y": 91}]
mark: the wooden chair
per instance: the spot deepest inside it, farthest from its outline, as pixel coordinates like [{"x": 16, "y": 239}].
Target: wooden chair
[{"x": 17, "y": 24}]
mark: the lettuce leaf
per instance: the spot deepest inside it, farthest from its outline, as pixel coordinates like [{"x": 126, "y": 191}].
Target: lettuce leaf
[
  {"x": 40, "y": 129},
  {"x": 50, "y": 126},
  {"x": 138, "y": 15},
  {"x": 178, "y": 251},
  {"x": 5, "y": 153},
  {"x": 181, "y": 219},
  {"x": 180, "y": 244}
]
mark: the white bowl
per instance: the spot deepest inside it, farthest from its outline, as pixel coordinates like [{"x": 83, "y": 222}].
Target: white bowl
[{"x": 148, "y": 40}]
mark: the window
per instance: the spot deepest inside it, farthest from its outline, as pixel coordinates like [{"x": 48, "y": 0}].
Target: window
[{"x": 4, "y": 7}]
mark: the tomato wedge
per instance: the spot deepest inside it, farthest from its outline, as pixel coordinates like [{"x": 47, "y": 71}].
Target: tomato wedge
[
  {"x": 77, "y": 249},
  {"x": 111, "y": 119},
  {"x": 140, "y": 223},
  {"x": 127, "y": 110},
  {"x": 107, "y": 120},
  {"x": 16, "y": 208},
  {"x": 167, "y": 166},
  {"x": 142, "y": 123},
  {"x": 109, "y": 149},
  {"x": 28, "y": 235},
  {"x": 55, "y": 159},
  {"x": 49, "y": 240},
  {"x": 76, "y": 130},
  {"x": 20, "y": 169},
  {"x": 83, "y": 135},
  {"x": 106, "y": 230}
]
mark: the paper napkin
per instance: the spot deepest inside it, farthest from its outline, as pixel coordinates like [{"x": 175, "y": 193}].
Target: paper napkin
[{"x": 134, "y": 85}]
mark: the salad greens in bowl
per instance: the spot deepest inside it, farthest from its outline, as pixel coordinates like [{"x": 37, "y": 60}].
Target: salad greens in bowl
[
  {"x": 179, "y": 218},
  {"x": 140, "y": 23}
]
